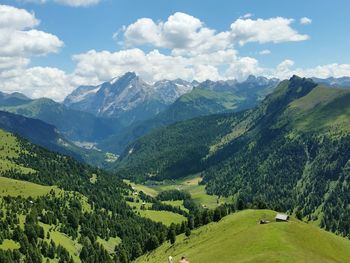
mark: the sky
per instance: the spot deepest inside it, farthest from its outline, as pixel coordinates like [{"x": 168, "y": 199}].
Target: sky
[{"x": 50, "y": 47}]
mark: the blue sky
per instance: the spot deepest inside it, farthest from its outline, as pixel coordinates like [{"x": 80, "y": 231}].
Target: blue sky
[{"x": 318, "y": 46}]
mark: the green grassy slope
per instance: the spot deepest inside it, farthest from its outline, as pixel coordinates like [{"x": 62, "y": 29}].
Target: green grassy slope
[
  {"x": 201, "y": 102},
  {"x": 239, "y": 238},
  {"x": 25, "y": 189},
  {"x": 323, "y": 109},
  {"x": 10, "y": 150},
  {"x": 189, "y": 184}
]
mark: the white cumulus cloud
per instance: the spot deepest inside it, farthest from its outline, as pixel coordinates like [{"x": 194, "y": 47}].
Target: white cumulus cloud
[
  {"x": 37, "y": 82},
  {"x": 14, "y": 18},
  {"x": 181, "y": 33},
  {"x": 186, "y": 34},
  {"x": 305, "y": 21},
  {"x": 95, "y": 67},
  {"x": 275, "y": 30},
  {"x": 19, "y": 42}
]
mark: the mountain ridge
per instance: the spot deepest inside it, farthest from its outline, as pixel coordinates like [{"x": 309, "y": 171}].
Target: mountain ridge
[
  {"x": 129, "y": 98},
  {"x": 290, "y": 153}
]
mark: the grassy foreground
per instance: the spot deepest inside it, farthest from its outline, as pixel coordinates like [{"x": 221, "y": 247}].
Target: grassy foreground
[{"x": 239, "y": 238}]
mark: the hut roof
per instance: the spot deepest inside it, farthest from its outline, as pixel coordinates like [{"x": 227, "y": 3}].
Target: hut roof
[{"x": 282, "y": 217}]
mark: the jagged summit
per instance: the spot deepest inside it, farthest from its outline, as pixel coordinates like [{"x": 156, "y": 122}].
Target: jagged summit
[{"x": 128, "y": 97}]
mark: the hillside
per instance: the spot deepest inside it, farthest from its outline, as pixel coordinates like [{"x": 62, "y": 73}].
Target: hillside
[
  {"x": 176, "y": 150},
  {"x": 46, "y": 135},
  {"x": 57, "y": 209},
  {"x": 12, "y": 99},
  {"x": 198, "y": 102},
  {"x": 74, "y": 125},
  {"x": 239, "y": 238},
  {"x": 289, "y": 153},
  {"x": 208, "y": 97}
]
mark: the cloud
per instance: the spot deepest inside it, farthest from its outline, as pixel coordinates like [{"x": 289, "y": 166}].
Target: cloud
[
  {"x": 19, "y": 38},
  {"x": 180, "y": 47},
  {"x": 39, "y": 82},
  {"x": 143, "y": 31},
  {"x": 287, "y": 68},
  {"x": 19, "y": 42},
  {"x": 28, "y": 43},
  {"x": 275, "y": 30},
  {"x": 95, "y": 67},
  {"x": 265, "y": 52},
  {"x": 248, "y": 15},
  {"x": 305, "y": 21},
  {"x": 186, "y": 35},
  {"x": 14, "y": 18},
  {"x": 242, "y": 68},
  {"x": 325, "y": 71},
  {"x": 181, "y": 33}
]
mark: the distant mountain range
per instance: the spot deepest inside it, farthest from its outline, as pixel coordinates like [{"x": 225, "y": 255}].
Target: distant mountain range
[
  {"x": 13, "y": 99},
  {"x": 128, "y": 98},
  {"x": 343, "y": 82},
  {"x": 180, "y": 100},
  {"x": 111, "y": 115}
]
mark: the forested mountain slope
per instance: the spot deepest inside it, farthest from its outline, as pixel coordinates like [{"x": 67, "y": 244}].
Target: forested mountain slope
[
  {"x": 46, "y": 135},
  {"x": 68, "y": 213},
  {"x": 198, "y": 102},
  {"x": 290, "y": 153},
  {"x": 74, "y": 125},
  {"x": 210, "y": 97}
]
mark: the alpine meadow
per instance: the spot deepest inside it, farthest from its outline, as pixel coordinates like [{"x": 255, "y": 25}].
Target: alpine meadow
[{"x": 174, "y": 131}]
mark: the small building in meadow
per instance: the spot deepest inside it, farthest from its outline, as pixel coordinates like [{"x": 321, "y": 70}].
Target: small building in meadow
[{"x": 282, "y": 218}]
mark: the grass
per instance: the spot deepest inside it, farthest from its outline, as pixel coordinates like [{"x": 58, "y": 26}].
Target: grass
[
  {"x": 239, "y": 238},
  {"x": 165, "y": 217},
  {"x": 177, "y": 203},
  {"x": 8, "y": 244},
  {"x": 93, "y": 179},
  {"x": 25, "y": 189},
  {"x": 10, "y": 149},
  {"x": 110, "y": 244},
  {"x": 323, "y": 108},
  {"x": 73, "y": 247},
  {"x": 223, "y": 100},
  {"x": 139, "y": 187},
  {"x": 191, "y": 185}
]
